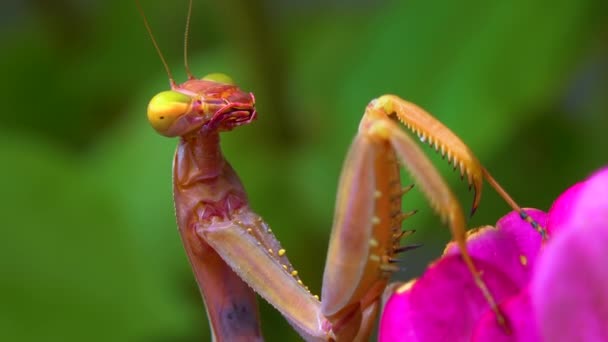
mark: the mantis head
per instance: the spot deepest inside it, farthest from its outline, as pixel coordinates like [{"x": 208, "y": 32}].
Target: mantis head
[
  {"x": 211, "y": 104},
  {"x": 208, "y": 105}
]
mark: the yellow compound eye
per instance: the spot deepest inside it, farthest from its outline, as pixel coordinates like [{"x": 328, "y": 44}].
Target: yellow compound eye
[
  {"x": 165, "y": 108},
  {"x": 219, "y": 78}
]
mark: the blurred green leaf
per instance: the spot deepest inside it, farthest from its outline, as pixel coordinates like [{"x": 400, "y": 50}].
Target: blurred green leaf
[{"x": 72, "y": 263}]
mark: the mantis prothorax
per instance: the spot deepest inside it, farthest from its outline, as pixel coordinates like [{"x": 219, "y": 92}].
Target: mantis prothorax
[{"x": 233, "y": 252}]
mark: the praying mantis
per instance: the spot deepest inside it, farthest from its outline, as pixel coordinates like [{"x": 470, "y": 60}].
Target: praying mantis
[{"x": 232, "y": 250}]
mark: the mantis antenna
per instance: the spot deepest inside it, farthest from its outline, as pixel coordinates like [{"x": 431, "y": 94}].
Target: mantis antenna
[
  {"x": 186, "y": 33},
  {"x": 160, "y": 54}
]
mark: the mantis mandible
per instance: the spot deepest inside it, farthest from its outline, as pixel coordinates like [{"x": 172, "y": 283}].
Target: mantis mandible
[{"x": 233, "y": 252}]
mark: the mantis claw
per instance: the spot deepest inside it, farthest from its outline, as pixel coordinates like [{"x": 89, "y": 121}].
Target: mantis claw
[
  {"x": 402, "y": 216},
  {"x": 444, "y": 141},
  {"x": 405, "y": 233},
  {"x": 407, "y": 248}
]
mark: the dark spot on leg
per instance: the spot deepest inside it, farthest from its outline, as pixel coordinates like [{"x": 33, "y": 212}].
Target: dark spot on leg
[{"x": 239, "y": 319}]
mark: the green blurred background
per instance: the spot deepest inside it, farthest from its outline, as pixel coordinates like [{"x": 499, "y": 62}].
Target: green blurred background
[{"x": 89, "y": 247}]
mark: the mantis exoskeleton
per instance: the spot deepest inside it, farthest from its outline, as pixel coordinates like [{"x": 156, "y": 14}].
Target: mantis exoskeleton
[{"x": 233, "y": 251}]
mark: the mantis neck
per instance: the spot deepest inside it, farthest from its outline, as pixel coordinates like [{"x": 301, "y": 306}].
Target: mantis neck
[
  {"x": 203, "y": 179},
  {"x": 202, "y": 154}
]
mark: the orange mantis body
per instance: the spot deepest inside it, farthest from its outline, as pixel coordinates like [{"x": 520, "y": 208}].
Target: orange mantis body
[{"x": 232, "y": 250}]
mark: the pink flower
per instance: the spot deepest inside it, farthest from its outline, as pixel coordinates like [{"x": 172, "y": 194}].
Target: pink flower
[{"x": 556, "y": 291}]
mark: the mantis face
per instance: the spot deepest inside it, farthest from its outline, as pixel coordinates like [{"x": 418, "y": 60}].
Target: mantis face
[{"x": 210, "y": 104}]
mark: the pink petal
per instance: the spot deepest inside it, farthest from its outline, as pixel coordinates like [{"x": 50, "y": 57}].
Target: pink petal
[
  {"x": 518, "y": 310},
  {"x": 570, "y": 288},
  {"x": 527, "y": 239},
  {"x": 444, "y": 304},
  {"x": 511, "y": 247},
  {"x": 582, "y": 204},
  {"x": 592, "y": 204},
  {"x": 562, "y": 209}
]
